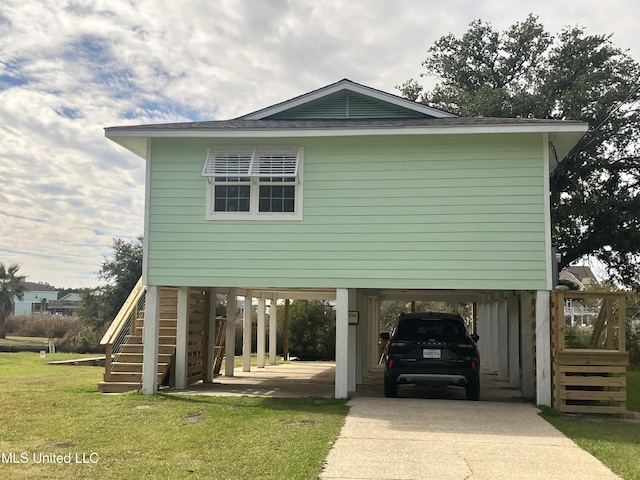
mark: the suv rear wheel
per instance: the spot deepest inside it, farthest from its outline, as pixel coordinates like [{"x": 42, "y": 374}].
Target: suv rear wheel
[
  {"x": 390, "y": 389},
  {"x": 473, "y": 390}
]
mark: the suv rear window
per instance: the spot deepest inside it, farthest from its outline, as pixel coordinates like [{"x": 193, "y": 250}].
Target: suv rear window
[{"x": 419, "y": 329}]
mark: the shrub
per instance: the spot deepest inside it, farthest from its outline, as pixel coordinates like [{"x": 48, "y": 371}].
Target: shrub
[
  {"x": 633, "y": 345},
  {"x": 577, "y": 337},
  {"x": 80, "y": 338},
  {"x": 50, "y": 326}
]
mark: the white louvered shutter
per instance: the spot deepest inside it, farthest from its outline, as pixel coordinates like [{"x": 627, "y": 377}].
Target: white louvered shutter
[
  {"x": 275, "y": 165},
  {"x": 228, "y": 164}
]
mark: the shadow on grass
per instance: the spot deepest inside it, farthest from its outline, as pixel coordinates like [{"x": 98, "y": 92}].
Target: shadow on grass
[{"x": 309, "y": 404}]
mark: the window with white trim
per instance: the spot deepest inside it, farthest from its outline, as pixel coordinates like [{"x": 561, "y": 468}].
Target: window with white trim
[{"x": 254, "y": 182}]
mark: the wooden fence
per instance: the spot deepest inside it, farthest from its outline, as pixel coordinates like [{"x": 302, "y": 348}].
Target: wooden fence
[{"x": 589, "y": 354}]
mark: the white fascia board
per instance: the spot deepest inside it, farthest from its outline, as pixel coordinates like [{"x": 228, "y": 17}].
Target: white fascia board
[
  {"x": 346, "y": 85},
  {"x": 119, "y": 136}
]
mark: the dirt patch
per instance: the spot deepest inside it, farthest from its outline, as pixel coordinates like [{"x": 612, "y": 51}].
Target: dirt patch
[
  {"x": 195, "y": 417},
  {"x": 298, "y": 423}
]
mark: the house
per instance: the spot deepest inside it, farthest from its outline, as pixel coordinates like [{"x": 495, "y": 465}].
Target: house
[
  {"x": 352, "y": 194},
  {"x": 66, "y": 305},
  {"x": 576, "y": 311},
  {"x": 35, "y": 299},
  {"x": 584, "y": 275}
]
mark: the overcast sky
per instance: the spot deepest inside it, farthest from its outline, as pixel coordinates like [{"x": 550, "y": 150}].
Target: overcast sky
[{"x": 70, "y": 68}]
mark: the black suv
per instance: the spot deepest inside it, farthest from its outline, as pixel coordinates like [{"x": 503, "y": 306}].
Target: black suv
[{"x": 431, "y": 349}]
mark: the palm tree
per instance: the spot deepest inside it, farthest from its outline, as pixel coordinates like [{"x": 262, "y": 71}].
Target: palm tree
[{"x": 10, "y": 286}]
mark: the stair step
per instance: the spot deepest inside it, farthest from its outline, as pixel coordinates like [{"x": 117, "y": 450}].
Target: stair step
[
  {"x": 109, "y": 387},
  {"x": 135, "y": 367},
  {"x": 137, "y": 357},
  {"x": 168, "y": 332},
  {"x": 139, "y": 348},
  {"x": 129, "y": 377},
  {"x": 162, "y": 340}
]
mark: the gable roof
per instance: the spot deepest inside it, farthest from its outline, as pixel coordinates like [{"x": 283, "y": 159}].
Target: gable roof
[
  {"x": 36, "y": 287},
  {"x": 327, "y": 112},
  {"x": 349, "y": 89},
  {"x": 583, "y": 273}
]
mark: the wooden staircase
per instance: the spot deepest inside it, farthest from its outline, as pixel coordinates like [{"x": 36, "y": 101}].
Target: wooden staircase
[
  {"x": 124, "y": 348},
  {"x": 126, "y": 367}
]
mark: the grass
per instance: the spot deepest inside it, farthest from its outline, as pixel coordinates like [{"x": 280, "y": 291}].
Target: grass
[
  {"x": 23, "y": 341},
  {"x": 57, "y": 410},
  {"x": 633, "y": 389},
  {"x": 614, "y": 441}
]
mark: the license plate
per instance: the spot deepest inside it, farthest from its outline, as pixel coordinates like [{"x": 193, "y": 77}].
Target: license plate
[{"x": 430, "y": 353}]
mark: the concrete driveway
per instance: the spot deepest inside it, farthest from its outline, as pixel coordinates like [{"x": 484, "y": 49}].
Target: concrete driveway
[
  {"x": 418, "y": 438},
  {"x": 426, "y": 433}
]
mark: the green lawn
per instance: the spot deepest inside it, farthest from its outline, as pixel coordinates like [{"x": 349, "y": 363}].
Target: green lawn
[
  {"x": 24, "y": 341},
  {"x": 614, "y": 441},
  {"x": 56, "y": 410}
]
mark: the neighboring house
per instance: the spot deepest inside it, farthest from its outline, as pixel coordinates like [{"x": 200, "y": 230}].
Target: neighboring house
[
  {"x": 67, "y": 305},
  {"x": 584, "y": 275},
  {"x": 35, "y": 299},
  {"x": 352, "y": 194},
  {"x": 576, "y": 312}
]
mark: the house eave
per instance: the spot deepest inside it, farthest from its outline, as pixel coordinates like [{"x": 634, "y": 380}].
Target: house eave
[{"x": 562, "y": 136}]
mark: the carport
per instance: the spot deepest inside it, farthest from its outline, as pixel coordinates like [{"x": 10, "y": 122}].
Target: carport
[
  {"x": 506, "y": 322},
  {"x": 300, "y": 379}
]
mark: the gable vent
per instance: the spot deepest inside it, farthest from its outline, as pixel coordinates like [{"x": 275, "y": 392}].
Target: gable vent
[{"x": 346, "y": 104}]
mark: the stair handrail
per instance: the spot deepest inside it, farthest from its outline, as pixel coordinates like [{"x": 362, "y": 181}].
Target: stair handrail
[
  {"x": 130, "y": 306},
  {"x": 122, "y": 326}
]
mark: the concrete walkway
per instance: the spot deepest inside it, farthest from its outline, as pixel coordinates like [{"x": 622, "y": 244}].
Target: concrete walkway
[{"x": 411, "y": 438}]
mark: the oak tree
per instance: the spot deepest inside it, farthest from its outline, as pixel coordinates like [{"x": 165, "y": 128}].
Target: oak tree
[{"x": 526, "y": 72}]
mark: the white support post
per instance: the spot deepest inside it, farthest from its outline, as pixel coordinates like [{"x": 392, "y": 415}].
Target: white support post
[
  {"x": 526, "y": 343},
  {"x": 373, "y": 307},
  {"x": 246, "y": 332},
  {"x": 211, "y": 344},
  {"x": 503, "y": 340},
  {"x": 513, "y": 314},
  {"x": 353, "y": 344},
  {"x": 483, "y": 332},
  {"x": 342, "y": 343},
  {"x": 273, "y": 330},
  {"x": 230, "y": 334},
  {"x": 261, "y": 331},
  {"x": 362, "y": 344},
  {"x": 150, "y": 340},
  {"x": 182, "y": 338},
  {"x": 493, "y": 334},
  {"x": 543, "y": 348}
]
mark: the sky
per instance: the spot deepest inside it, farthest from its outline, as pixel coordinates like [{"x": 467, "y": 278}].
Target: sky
[{"x": 68, "y": 69}]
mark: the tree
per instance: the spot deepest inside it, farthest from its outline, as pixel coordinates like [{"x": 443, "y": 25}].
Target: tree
[
  {"x": 312, "y": 329},
  {"x": 121, "y": 271},
  {"x": 10, "y": 287},
  {"x": 391, "y": 309},
  {"x": 526, "y": 72}
]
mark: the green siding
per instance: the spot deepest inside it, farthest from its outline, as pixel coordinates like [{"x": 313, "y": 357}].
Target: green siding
[
  {"x": 464, "y": 212},
  {"x": 346, "y": 104}
]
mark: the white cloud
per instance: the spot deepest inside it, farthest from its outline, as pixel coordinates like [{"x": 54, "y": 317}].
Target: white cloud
[{"x": 70, "y": 69}]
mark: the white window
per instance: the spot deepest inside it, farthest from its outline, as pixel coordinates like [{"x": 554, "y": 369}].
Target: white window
[{"x": 254, "y": 182}]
